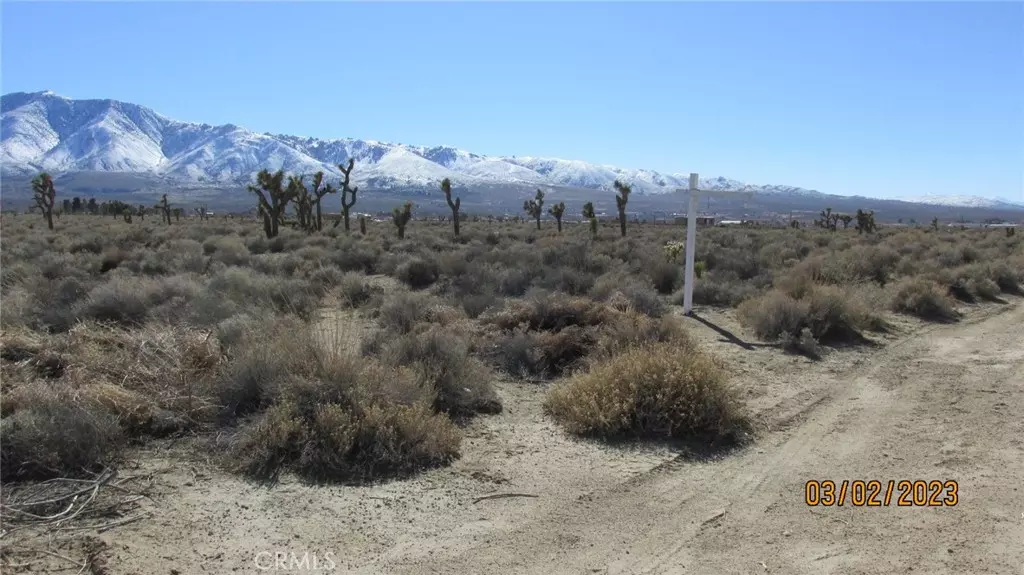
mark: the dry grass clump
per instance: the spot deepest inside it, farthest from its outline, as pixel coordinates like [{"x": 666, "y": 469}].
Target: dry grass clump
[
  {"x": 655, "y": 390},
  {"x": 626, "y": 292},
  {"x": 335, "y": 443},
  {"x": 401, "y": 312},
  {"x": 441, "y": 360},
  {"x": 925, "y": 299},
  {"x": 548, "y": 336},
  {"x": 332, "y": 415},
  {"x": 309, "y": 403},
  {"x": 829, "y": 314},
  {"x": 418, "y": 273},
  {"x": 52, "y": 432},
  {"x": 543, "y": 311}
]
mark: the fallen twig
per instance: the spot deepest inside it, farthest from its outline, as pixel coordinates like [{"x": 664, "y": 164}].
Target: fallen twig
[{"x": 502, "y": 496}]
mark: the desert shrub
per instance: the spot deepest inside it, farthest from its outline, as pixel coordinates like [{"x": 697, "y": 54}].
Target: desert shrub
[
  {"x": 549, "y": 312},
  {"x": 925, "y": 299},
  {"x": 869, "y": 263},
  {"x": 828, "y": 312},
  {"x": 983, "y": 288},
  {"x": 629, "y": 329},
  {"x": 52, "y": 433},
  {"x": 118, "y": 301},
  {"x": 665, "y": 276},
  {"x": 90, "y": 243},
  {"x": 401, "y": 312},
  {"x": 626, "y": 292},
  {"x": 355, "y": 289},
  {"x": 229, "y": 250},
  {"x": 566, "y": 280},
  {"x": 258, "y": 245},
  {"x": 525, "y": 353},
  {"x": 719, "y": 288},
  {"x": 418, "y": 273},
  {"x": 957, "y": 282},
  {"x": 236, "y": 289},
  {"x": 111, "y": 259},
  {"x": 832, "y": 315},
  {"x": 1005, "y": 278},
  {"x": 476, "y": 304},
  {"x": 345, "y": 418},
  {"x": 441, "y": 360},
  {"x": 515, "y": 282},
  {"x": 773, "y": 315},
  {"x": 650, "y": 391},
  {"x": 804, "y": 344}
]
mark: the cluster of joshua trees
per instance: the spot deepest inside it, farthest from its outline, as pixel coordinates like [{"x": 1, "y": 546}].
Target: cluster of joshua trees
[{"x": 276, "y": 193}]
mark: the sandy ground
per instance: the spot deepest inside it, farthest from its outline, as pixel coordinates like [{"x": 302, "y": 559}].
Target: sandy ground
[{"x": 928, "y": 403}]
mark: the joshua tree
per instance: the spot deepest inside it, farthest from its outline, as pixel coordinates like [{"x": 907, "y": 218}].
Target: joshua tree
[
  {"x": 446, "y": 187},
  {"x": 177, "y": 214},
  {"x": 318, "y": 195},
  {"x": 362, "y": 224},
  {"x": 347, "y": 191},
  {"x": 621, "y": 199},
  {"x": 400, "y": 217},
  {"x": 126, "y": 213},
  {"x": 535, "y": 207},
  {"x": 164, "y": 207},
  {"x": 557, "y": 210},
  {"x": 140, "y": 210},
  {"x": 829, "y": 220},
  {"x": 303, "y": 203},
  {"x": 935, "y": 223},
  {"x": 273, "y": 199},
  {"x": 45, "y": 194},
  {"x": 846, "y": 219},
  {"x": 588, "y": 212},
  {"x": 866, "y": 221}
]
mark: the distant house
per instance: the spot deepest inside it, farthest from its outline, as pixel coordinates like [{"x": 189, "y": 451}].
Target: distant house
[{"x": 702, "y": 221}]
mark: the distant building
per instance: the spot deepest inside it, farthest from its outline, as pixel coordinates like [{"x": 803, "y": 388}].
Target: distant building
[{"x": 702, "y": 221}]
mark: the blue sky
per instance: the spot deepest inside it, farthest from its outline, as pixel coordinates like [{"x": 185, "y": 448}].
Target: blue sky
[{"x": 878, "y": 99}]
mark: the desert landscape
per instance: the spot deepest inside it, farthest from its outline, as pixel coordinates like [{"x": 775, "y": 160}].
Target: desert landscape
[
  {"x": 502, "y": 288},
  {"x": 189, "y": 396}
]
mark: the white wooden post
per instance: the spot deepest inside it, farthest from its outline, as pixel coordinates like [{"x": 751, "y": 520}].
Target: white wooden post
[
  {"x": 691, "y": 233},
  {"x": 691, "y": 245}
]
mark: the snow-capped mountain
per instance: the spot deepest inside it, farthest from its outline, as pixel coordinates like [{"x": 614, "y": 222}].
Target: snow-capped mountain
[
  {"x": 44, "y": 131},
  {"x": 964, "y": 202}
]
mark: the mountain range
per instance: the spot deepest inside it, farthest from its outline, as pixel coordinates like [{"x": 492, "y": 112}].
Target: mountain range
[{"x": 45, "y": 131}]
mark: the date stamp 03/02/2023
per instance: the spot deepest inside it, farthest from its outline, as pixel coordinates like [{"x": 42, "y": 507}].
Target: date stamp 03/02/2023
[{"x": 873, "y": 493}]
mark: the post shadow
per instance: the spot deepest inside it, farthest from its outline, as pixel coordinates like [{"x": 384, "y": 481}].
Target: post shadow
[{"x": 727, "y": 335}]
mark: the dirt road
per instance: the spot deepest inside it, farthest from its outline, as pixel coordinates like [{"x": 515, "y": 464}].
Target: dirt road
[
  {"x": 931, "y": 403},
  {"x": 947, "y": 404}
]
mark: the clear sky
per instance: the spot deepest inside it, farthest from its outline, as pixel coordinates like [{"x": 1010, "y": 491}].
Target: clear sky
[{"x": 878, "y": 99}]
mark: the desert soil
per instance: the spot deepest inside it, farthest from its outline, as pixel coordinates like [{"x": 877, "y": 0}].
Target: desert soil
[{"x": 927, "y": 403}]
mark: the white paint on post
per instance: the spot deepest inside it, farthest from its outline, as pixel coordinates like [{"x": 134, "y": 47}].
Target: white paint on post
[{"x": 691, "y": 234}]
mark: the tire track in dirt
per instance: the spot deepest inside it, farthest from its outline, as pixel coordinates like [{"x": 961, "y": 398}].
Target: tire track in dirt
[{"x": 938, "y": 405}]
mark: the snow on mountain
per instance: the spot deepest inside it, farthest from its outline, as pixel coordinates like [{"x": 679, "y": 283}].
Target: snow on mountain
[
  {"x": 45, "y": 131},
  {"x": 963, "y": 201}
]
